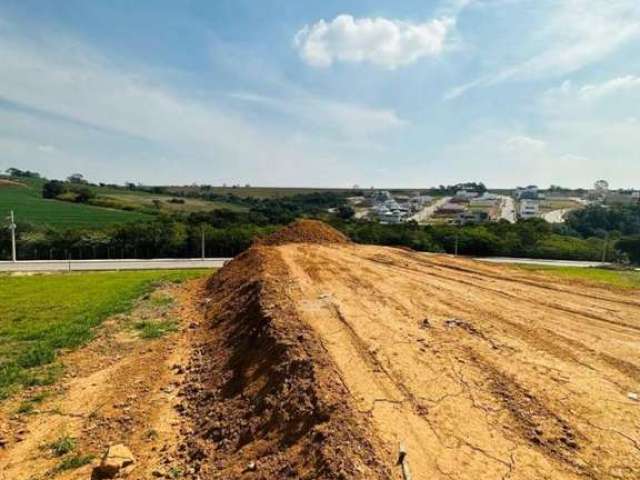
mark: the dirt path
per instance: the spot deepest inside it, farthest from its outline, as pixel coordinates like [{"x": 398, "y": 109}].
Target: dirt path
[
  {"x": 479, "y": 371},
  {"x": 120, "y": 388}
]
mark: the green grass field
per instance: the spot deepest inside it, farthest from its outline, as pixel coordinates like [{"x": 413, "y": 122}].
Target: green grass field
[
  {"x": 280, "y": 192},
  {"x": 143, "y": 200},
  {"x": 260, "y": 192},
  {"x": 110, "y": 206},
  {"x": 41, "y": 314},
  {"x": 29, "y": 206},
  {"x": 615, "y": 278}
]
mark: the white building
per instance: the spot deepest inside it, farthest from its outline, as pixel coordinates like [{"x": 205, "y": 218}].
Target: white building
[
  {"x": 485, "y": 200},
  {"x": 529, "y": 208},
  {"x": 529, "y": 192},
  {"x": 465, "y": 195}
]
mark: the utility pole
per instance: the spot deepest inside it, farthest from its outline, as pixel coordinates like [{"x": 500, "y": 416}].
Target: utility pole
[
  {"x": 455, "y": 251},
  {"x": 605, "y": 248},
  {"x": 202, "y": 243},
  {"x": 12, "y": 227}
]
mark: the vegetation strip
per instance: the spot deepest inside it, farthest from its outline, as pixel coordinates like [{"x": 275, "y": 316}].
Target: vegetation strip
[{"x": 39, "y": 315}]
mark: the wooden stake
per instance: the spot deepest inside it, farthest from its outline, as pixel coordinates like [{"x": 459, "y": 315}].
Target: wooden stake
[{"x": 402, "y": 461}]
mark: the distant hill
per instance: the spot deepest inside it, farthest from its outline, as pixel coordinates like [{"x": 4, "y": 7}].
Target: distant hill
[
  {"x": 111, "y": 205},
  {"x": 24, "y": 197}
]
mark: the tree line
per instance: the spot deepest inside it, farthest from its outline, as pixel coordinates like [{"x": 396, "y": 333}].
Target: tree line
[
  {"x": 227, "y": 233},
  {"x": 593, "y": 233}
]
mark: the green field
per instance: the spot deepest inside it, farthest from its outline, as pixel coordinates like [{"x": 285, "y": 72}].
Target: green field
[
  {"x": 260, "y": 192},
  {"x": 44, "y": 313},
  {"x": 110, "y": 206},
  {"x": 148, "y": 201},
  {"x": 29, "y": 206},
  {"x": 616, "y": 278}
]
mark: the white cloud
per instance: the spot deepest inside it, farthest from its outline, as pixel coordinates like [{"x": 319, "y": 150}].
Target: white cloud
[
  {"x": 508, "y": 158},
  {"x": 577, "y": 33},
  {"x": 47, "y": 148},
  {"x": 523, "y": 143},
  {"x": 598, "y": 90},
  {"x": 569, "y": 98},
  {"x": 347, "y": 120},
  {"x": 383, "y": 42},
  {"x": 120, "y": 120}
]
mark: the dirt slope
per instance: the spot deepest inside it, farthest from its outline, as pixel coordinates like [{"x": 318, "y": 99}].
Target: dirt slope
[{"x": 322, "y": 358}]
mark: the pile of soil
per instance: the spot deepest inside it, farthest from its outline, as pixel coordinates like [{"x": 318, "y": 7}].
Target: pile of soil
[
  {"x": 305, "y": 231},
  {"x": 318, "y": 361},
  {"x": 264, "y": 399}
]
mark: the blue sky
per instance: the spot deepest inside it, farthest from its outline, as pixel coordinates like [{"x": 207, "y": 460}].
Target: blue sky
[{"x": 323, "y": 93}]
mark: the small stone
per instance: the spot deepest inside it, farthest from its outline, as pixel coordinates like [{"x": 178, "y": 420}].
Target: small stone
[
  {"x": 118, "y": 460},
  {"x": 159, "y": 473},
  {"x": 633, "y": 396},
  {"x": 251, "y": 467}
]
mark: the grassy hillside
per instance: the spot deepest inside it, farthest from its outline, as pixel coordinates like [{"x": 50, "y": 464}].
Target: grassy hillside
[
  {"x": 155, "y": 202},
  {"x": 258, "y": 192},
  {"x": 110, "y": 206},
  {"x": 26, "y": 201}
]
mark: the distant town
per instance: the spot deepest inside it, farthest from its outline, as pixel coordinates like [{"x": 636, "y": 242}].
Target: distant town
[{"x": 473, "y": 203}]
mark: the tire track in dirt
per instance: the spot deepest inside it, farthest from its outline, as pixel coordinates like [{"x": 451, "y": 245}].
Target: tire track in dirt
[
  {"x": 484, "y": 271},
  {"x": 534, "y": 301},
  {"x": 475, "y": 339}
]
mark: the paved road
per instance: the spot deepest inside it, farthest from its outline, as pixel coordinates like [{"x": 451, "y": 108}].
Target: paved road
[
  {"x": 427, "y": 212},
  {"x": 550, "y": 263},
  {"x": 507, "y": 209},
  {"x": 86, "y": 265}
]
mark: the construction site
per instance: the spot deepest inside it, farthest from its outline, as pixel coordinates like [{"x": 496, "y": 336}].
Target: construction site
[{"x": 311, "y": 357}]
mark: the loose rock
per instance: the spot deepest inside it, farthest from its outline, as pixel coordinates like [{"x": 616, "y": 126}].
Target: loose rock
[{"x": 118, "y": 460}]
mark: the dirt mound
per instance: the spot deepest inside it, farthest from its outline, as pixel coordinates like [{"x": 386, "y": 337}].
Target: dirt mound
[
  {"x": 305, "y": 231},
  {"x": 321, "y": 359},
  {"x": 265, "y": 399}
]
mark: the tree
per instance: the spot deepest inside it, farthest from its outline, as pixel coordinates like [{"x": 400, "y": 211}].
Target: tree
[
  {"x": 345, "y": 212},
  {"x": 53, "y": 189},
  {"x": 630, "y": 246},
  {"x": 83, "y": 194},
  {"x": 16, "y": 172},
  {"x": 76, "y": 178}
]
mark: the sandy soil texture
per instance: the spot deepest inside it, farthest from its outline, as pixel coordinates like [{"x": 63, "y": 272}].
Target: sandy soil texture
[
  {"x": 322, "y": 359},
  {"x": 119, "y": 389},
  {"x": 316, "y": 361}
]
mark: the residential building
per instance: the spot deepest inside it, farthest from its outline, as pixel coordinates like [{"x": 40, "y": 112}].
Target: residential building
[
  {"x": 529, "y": 208},
  {"x": 530, "y": 192},
  {"x": 450, "y": 209}
]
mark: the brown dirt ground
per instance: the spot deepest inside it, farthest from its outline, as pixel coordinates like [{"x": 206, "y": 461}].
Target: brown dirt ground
[
  {"x": 9, "y": 183},
  {"x": 321, "y": 359},
  {"x": 316, "y": 360},
  {"x": 120, "y": 388},
  {"x": 305, "y": 231}
]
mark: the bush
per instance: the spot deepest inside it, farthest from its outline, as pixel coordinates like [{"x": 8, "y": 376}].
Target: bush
[
  {"x": 631, "y": 247},
  {"x": 53, "y": 189}
]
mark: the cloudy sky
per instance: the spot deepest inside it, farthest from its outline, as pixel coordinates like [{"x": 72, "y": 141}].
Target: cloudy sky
[{"x": 323, "y": 92}]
